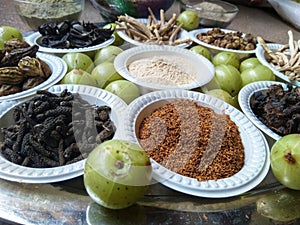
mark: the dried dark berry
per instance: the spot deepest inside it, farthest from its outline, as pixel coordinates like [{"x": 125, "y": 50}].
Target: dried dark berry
[{"x": 278, "y": 108}]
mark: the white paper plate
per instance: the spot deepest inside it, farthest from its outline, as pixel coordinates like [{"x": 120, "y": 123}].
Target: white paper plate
[
  {"x": 33, "y": 38},
  {"x": 215, "y": 49},
  {"x": 97, "y": 96},
  {"x": 182, "y": 35},
  {"x": 244, "y": 97},
  {"x": 203, "y": 67},
  {"x": 260, "y": 54},
  {"x": 257, "y": 161},
  {"x": 58, "y": 68}
]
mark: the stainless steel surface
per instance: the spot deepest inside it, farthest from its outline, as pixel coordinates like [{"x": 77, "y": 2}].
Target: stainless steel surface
[{"x": 68, "y": 203}]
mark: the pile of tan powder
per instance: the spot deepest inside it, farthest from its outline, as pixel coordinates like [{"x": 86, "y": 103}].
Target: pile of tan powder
[
  {"x": 213, "y": 11},
  {"x": 163, "y": 70},
  {"x": 193, "y": 140},
  {"x": 52, "y": 10}
]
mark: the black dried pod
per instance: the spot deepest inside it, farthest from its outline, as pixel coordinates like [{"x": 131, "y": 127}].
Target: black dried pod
[
  {"x": 11, "y": 155},
  {"x": 58, "y": 111},
  {"x": 42, "y": 107},
  {"x": 107, "y": 132},
  {"x": 72, "y": 151},
  {"x": 48, "y": 28},
  {"x": 48, "y": 133},
  {"x": 22, "y": 131}
]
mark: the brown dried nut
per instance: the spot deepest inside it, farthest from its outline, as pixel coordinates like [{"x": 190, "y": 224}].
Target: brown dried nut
[
  {"x": 15, "y": 43},
  {"x": 31, "y": 67},
  {"x": 32, "y": 82},
  {"x": 45, "y": 67},
  {"x": 12, "y": 58},
  {"x": 11, "y": 75},
  {"x": 7, "y": 89},
  {"x": 230, "y": 40}
]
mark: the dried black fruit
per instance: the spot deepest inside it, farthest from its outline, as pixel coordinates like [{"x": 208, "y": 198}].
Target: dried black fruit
[
  {"x": 278, "y": 108},
  {"x": 14, "y": 56},
  {"x": 72, "y": 34}
]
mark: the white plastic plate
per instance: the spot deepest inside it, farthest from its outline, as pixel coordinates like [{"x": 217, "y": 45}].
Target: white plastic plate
[
  {"x": 260, "y": 54},
  {"x": 58, "y": 68},
  {"x": 203, "y": 67},
  {"x": 182, "y": 35},
  {"x": 244, "y": 97},
  {"x": 215, "y": 49},
  {"x": 97, "y": 96},
  {"x": 256, "y": 164},
  {"x": 33, "y": 38}
]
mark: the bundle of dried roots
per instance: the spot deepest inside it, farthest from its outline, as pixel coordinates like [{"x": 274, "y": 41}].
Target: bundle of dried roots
[
  {"x": 155, "y": 31},
  {"x": 285, "y": 59}
]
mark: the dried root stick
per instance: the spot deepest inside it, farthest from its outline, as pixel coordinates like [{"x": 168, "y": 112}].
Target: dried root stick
[
  {"x": 287, "y": 58},
  {"x": 153, "y": 31},
  {"x": 266, "y": 48}
]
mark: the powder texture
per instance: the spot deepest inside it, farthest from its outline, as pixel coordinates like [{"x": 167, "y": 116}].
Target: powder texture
[
  {"x": 163, "y": 70},
  {"x": 214, "y": 12},
  {"x": 50, "y": 9}
]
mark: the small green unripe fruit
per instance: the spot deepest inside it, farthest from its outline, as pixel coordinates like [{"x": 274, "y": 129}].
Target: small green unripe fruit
[
  {"x": 125, "y": 89},
  {"x": 8, "y": 33},
  {"x": 105, "y": 73},
  {"x": 78, "y": 76},
  {"x": 107, "y": 54},
  {"x": 227, "y": 58},
  {"x": 285, "y": 160},
  {"x": 78, "y": 60},
  {"x": 189, "y": 20},
  {"x": 117, "y": 174},
  {"x": 202, "y": 51},
  {"x": 221, "y": 94}
]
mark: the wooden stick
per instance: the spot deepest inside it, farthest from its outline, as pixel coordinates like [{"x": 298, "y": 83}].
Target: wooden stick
[
  {"x": 162, "y": 17},
  {"x": 152, "y": 15}
]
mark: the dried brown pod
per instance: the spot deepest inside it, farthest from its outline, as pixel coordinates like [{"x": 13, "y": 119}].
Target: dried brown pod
[
  {"x": 11, "y": 75},
  {"x": 15, "y": 43},
  {"x": 31, "y": 82},
  {"x": 33, "y": 67},
  {"x": 7, "y": 89},
  {"x": 13, "y": 57}
]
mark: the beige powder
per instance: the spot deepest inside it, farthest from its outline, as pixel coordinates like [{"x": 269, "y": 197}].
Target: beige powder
[
  {"x": 50, "y": 9},
  {"x": 163, "y": 70},
  {"x": 213, "y": 11}
]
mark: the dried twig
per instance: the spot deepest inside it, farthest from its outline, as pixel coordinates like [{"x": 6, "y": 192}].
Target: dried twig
[
  {"x": 285, "y": 59},
  {"x": 154, "y": 31}
]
